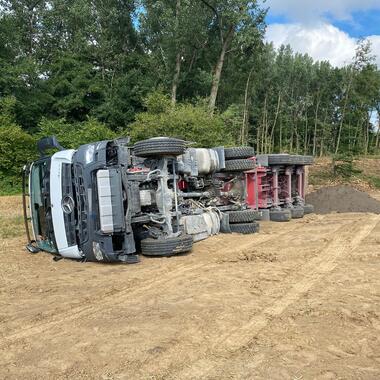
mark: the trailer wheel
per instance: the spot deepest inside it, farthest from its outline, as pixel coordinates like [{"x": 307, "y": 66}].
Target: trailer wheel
[
  {"x": 308, "y": 209},
  {"x": 166, "y": 247},
  {"x": 239, "y": 152},
  {"x": 283, "y": 215},
  {"x": 297, "y": 212},
  {"x": 265, "y": 215},
  {"x": 244, "y": 216},
  {"x": 245, "y": 228},
  {"x": 159, "y": 146},
  {"x": 304, "y": 160},
  {"x": 287, "y": 159},
  {"x": 281, "y": 159},
  {"x": 239, "y": 165}
]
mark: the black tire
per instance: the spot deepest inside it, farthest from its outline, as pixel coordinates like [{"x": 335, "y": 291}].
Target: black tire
[
  {"x": 280, "y": 215},
  {"x": 245, "y": 228},
  {"x": 265, "y": 215},
  {"x": 287, "y": 159},
  {"x": 159, "y": 146},
  {"x": 297, "y": 212},
  {"x": 239, "y": 152},
  {"x": 239, "y": 165},
  {"x": 308, "y": 209},
  {"x": 305, "y": 160},
  {"x": 281, "y": 159},
  {"x": 166, "y": 247},
  {"x": 244, "y": 216}
]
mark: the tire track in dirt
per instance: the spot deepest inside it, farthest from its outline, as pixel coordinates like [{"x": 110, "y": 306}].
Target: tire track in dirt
[
  {"x": 264, "y": 238},
  {"x": 241, "y": 337},
  {"x": 168, "y": 277},
  {"x": 82, "y": 311}
]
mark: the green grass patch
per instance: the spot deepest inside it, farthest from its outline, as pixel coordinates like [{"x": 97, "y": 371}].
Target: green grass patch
[
  {"x": 9, "y": 188},
  {"x": 10, "y": 192},
  {"x": 373, "y": 181}
]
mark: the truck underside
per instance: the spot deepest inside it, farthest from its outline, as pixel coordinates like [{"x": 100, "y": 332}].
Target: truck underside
[{"x": 107, "y": 201}]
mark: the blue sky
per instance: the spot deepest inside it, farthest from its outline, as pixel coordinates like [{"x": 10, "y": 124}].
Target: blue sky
[
  {"x": 363, "y": 23},
  {"x": 325, "y": 29}
]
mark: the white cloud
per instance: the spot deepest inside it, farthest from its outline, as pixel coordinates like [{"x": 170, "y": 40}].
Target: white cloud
[
  {"x": 375, "y": 41},
  {"x": 321, "y": 40},
  {"x": 311, "y": 10}
]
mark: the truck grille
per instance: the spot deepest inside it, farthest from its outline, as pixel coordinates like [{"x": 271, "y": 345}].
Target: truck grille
[
  {"x": 67, "y": 190},
  {"x": 82, "y": 202}
]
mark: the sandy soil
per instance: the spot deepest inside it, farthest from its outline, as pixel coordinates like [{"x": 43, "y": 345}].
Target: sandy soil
[{"x": 300, "y": 300}]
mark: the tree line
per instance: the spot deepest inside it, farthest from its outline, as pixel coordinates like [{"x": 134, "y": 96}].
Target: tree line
[{"x": 197, "y": 69}]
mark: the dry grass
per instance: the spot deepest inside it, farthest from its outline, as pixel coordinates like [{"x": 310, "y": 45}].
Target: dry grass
[
  {"x": 320, "y": 174},
  {"x": 10, "y": 205},
  {"x": 11, "y": 218},
  {"x": 11, "y": 227},
  {"x": 371, "y": 166}
]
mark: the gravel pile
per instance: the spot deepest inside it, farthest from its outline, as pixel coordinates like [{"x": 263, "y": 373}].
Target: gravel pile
[{"x": 342, "y": 199}]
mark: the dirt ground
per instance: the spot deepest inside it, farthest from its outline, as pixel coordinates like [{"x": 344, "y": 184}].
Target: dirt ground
[
  {"x": 342, "y": 198},
  {"x": 299, "y": 300}
]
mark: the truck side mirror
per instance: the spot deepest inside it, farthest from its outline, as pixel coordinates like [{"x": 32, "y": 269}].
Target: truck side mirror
[{"x": 48, "y": 143}]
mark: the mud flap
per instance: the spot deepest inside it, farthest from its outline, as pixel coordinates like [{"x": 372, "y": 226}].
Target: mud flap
[
  {"x": 225, "y": 224},
  {"x": 32, "y": 248}
]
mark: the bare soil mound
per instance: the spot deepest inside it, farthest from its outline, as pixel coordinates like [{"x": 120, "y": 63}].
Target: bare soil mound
[{"x": 342, "y": 199}]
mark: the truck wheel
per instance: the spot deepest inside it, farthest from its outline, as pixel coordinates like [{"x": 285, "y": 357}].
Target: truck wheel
[
  {"x": 159, "y": 146},
  {"x": 244, "y": 216},
  {"x": 239, "y": 152},
  {"x": 166, "y": 247},
  {"x": 297, "y": 212},
  {"x": 245, "y": 228},
  {"x": 283, "y": 215},
  {"x": 239, "y": 165},
  {"x": 308, "y": 209}
]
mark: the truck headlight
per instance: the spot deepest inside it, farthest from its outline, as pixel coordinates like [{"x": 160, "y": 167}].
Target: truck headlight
[{"x": 68, "y": 204}]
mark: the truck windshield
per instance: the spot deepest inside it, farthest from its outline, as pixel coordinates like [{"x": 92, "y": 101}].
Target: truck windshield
[{"x": 40, "y": 205}]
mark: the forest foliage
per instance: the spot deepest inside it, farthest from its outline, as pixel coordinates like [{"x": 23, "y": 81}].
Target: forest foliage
[{"x": 197, "y": 69}]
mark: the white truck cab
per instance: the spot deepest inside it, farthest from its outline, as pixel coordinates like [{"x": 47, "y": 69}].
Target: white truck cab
[{"x": 76, "y": 203}]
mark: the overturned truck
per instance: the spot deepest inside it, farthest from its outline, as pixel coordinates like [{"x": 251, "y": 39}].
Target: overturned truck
[{"x": 108, "y": 200}]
